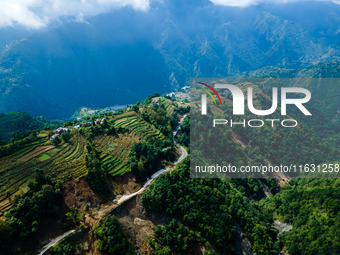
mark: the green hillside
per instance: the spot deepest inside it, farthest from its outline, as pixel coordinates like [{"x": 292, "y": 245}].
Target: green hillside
[
  {"x": 322, "y": 80},
  {"x": 67, "y": 158},
  {"x": 13, "y": 122}
]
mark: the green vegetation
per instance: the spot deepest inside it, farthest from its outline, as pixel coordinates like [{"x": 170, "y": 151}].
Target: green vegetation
[
  {"x": 40, "y": 201},
  {"x": 173, "y": 237},
  {"x": 16, "y": 124},
  {"x": 139, "y": 139},
  {"x": 75, "y": 218},
  {"x": 18, "y": 148},
  {"x": 312, "y": 206},
  {"x": 44, "y": 157},
  {"x": 113, "y": 139},
  {"x": 62, "y": 248},
  {"x": 211, "y": 207},
  {"x": 143, "y": 157},
  {"x": 110, "y": 237},
  {"x": 184, "y": 138},
  {"x": 95, "y": 174},
  {"x": 66, "y": 136}
]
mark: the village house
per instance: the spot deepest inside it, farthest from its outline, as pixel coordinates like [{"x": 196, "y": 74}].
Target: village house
[
  {"x": 53, "y": 136},
  {"x": 58, "y": 130}
]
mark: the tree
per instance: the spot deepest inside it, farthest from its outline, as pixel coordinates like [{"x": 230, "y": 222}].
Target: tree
[
  {"x": 111, "y": 237},
  {"x": 73, "y": 216},
  {"x": 95, "y": 174},
  {"x": 67, "y": 123},
  {"x": 135, "y": 108},
  {"x": 48, "y": 192},
  {"x": 5, "y": 234},
  {"x": 56, "y": 140},
  {"x": 65, "y": 135}
]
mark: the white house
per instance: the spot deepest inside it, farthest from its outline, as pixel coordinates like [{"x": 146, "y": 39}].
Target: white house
[{"x": 53, "y": 136}]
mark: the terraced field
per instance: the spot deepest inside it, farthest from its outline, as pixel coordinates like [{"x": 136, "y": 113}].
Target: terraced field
[
  {"x": 140, "y": 127},
  {"x": 67, "y": 160},
  {"x": 116, "y": 149},
  {"x": 37, "y": 151},
  {"x": 64, "y": 162},
  {"x": 170, "y": 105}
]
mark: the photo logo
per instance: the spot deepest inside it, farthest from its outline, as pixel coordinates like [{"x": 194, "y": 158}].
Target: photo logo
[
  {"x": 204, "y": 97},
  {"x": 239, "y": 99}
]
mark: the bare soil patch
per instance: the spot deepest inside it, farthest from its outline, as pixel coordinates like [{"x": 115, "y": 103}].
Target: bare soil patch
[
  {"x": 36, "y": 152},
  {"x": 138, "y": 223},
  {"x": 126, "y": 184},
  {"x": 78, "y": 194}
]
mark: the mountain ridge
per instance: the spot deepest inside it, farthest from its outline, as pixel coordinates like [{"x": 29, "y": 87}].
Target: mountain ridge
[{"x": 125, "y": 54}]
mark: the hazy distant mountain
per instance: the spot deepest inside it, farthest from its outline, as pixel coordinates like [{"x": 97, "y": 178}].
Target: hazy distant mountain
[{"x": 123, "y": 56}]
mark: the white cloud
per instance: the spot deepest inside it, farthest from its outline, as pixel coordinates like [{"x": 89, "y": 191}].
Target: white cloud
[{"x": 37, "y": 13}]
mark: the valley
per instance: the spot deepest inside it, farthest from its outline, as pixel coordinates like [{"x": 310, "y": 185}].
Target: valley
[
  {"x": 237, "y": 153},
  {"x": 106, "y": 172}
]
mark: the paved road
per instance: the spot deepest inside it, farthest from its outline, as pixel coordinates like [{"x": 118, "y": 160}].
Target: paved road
[
  {"x": 55, "y": 241},
  {"x": 127, "y": 197}
]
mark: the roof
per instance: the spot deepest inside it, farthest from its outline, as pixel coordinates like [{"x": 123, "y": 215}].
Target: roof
[{"x": 54, "y": 136}]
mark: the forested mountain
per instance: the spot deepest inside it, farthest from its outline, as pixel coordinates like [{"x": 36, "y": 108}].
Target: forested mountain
[
  {"x": 122, "y": 55},
  {"x": 322, "y": 80},
  {"x": 16, "y": 124}
]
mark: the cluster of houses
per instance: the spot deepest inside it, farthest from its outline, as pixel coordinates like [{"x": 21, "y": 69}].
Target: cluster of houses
[
  {"x": 88, "y": 124},
  {"x": 179, "y": 95},
  {"x": 226, "y": 92},
  {"x": 57, "y": 132},
  {"x": 98, "y": 121},
  {"x": 155, "y": 102}
]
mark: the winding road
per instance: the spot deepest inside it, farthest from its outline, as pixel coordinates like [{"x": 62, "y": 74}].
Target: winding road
[
  {"x": 55, "y": 241},
  {"x": 159, "y": 172},
  {"x": 127, "y": 197}
]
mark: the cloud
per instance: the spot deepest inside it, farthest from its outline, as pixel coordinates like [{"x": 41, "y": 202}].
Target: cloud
[{"x": 38, "y": 13}]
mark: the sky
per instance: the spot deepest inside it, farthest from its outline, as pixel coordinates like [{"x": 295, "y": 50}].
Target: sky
[{"x": 35, "y": 14}]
